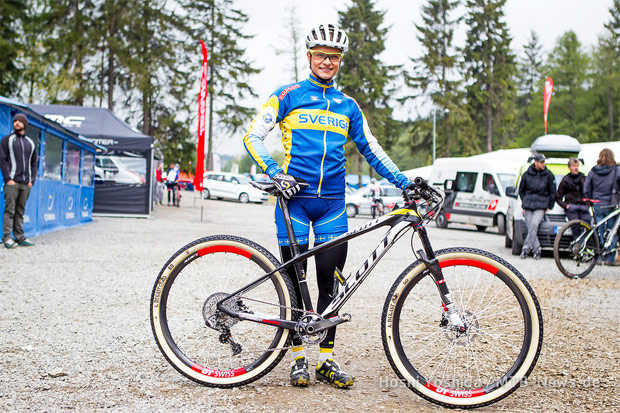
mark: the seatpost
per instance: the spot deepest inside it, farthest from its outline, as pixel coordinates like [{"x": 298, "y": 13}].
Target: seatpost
[{"x": 299, "y": 268}]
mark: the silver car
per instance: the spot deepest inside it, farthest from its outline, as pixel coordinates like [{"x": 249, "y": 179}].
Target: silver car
[
  {"x": 360, "y": 202},
  {"x": 226, "y": 185}
]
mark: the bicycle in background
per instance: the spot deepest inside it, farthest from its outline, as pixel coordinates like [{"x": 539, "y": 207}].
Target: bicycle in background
[
  {"x": 460, "y": 326},
  {"x": 578, "y": 246}
]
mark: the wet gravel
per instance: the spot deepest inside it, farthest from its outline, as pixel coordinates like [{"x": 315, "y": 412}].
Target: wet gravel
[{"x": 75, "y": 332}]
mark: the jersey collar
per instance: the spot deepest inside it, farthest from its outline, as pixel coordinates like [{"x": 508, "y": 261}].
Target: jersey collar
[{"x": 315, "y": 80}]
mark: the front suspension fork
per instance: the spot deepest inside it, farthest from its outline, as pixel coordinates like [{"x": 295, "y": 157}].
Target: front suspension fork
[{"x": 432, "y": 265}]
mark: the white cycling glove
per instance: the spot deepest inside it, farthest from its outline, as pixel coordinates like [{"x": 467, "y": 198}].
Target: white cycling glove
[{"x": 286, "y": 184}]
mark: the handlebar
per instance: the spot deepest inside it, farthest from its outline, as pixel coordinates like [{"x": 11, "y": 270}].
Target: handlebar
[{"x": 420, "y": 189}]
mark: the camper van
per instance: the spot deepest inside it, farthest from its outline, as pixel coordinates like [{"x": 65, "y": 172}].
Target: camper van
[{"x": 475, "y": 191}]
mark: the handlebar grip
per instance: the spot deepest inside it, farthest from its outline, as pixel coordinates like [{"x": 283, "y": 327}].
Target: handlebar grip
[{"x": 421, "y": 183}]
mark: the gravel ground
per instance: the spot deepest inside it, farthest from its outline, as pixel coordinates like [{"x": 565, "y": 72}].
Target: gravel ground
[{"x": 75, "y": 332}]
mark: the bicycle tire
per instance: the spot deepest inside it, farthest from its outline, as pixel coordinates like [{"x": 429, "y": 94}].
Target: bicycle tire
[
  {"x": 183, "y": 303},
  {"x": 500, "y": 362},
  {"x": 571, "y": 257}
]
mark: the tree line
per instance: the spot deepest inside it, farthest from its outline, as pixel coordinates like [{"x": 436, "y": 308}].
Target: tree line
[{"x": 141, "y": 58}]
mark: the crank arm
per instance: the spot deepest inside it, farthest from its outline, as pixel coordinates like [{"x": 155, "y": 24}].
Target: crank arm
[{"x": 319, "y": 326}]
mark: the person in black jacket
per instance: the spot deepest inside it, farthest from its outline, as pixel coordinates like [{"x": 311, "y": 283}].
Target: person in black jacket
[
  {"x": 602, "y": 180},
  {"x": 570, "y": 194},
  {"x": 537, "y": 192},
  {"x": 18, "y": 161}
]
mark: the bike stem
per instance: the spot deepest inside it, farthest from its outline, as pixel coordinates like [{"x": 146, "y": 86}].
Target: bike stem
[{"x": 295, "y": 252}]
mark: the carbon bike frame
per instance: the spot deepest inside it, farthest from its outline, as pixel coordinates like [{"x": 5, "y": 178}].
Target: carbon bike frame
[
  {"x": 595, "y": 230},
  {"x": 399, "y": 221}
]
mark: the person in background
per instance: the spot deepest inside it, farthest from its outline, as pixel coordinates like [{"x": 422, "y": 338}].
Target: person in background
[
  {"x": 537, "y": 192},
  {"x": 377, "y": 201},
  {"x": 18, "y": 161},
  {"x": 172, "y": 177},
  {"x": 570, "y": 194},
  {"x": 316, "y": 121},
  {"x": 601, "y": 181},
  {"x": 159, "y": 184}
]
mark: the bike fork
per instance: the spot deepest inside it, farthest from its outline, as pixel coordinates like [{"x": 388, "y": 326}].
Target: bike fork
[{"x": 432, "y": 265}]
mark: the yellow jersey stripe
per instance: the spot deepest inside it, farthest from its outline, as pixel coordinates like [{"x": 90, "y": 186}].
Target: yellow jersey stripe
[{"x": 317, "y": 119}]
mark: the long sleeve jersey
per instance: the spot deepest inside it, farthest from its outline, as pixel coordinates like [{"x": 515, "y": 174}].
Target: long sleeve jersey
[
  {"x": 316, "y": 120},
  {"x": 18, "y": 158}
]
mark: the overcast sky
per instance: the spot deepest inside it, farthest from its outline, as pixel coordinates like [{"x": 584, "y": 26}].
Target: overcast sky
[{"x": 267, "y": 20}]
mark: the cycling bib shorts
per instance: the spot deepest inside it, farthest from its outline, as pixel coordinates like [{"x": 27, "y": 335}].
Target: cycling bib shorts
[{"x": 327, "y": 216}]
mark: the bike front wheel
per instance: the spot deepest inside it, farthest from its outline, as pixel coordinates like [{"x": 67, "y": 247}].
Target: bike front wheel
[
  {"x": 203, "y": 343},
  {"x": 575, "y": 249},
  {"x": 477, "y": 367}
]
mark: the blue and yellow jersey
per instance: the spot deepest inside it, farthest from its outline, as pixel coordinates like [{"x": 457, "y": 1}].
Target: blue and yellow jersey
[{"x": 316, "y": 120}]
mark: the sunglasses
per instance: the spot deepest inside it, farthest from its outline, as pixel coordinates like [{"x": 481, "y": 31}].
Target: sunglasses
[{"x": 321, "y": 56}]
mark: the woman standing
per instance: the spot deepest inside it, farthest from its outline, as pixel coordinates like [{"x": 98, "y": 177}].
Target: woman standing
[{"x": 601, "y": 182}]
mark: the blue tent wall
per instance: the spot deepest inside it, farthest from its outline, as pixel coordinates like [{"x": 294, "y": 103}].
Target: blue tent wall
[{"x": 52, "y": 204}]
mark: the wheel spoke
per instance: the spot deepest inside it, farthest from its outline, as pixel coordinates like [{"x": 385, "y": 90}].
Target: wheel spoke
[
  {"x": 496, "y": 334},
  {"x": 193, "y": 331}
]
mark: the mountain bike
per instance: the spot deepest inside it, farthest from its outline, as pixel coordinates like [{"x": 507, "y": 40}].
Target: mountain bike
[
  {"x": 460, "y": 326},
  {"x": 577, "y": 245},
  {"x": 376, "y": 207}
]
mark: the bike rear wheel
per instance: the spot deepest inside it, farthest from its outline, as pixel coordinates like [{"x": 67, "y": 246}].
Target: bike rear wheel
[
  {"x": 576, "y": 249},
  {"x": 204, "y": 344},
  {"x": 465, "y": 370}
]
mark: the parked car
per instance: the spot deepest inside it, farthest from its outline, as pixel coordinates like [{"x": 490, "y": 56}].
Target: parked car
[
  {"x": 225, "y": 185},
  {"x": 359, "y": 202},
  {"x": 558, "y": 149},
  {"x": 120, "y": 170}
]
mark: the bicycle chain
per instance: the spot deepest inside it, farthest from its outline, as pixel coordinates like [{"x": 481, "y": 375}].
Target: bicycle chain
[{"x": 299, "y": 310}]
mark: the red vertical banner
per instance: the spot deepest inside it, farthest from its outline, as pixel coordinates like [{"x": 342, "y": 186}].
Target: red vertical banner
[
  {"x": 202, "y": 111},
  {"x": 547, "y": 99}
]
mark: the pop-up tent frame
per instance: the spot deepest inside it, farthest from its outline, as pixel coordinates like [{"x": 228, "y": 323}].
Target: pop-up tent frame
[{"x": 103, "y": 128}]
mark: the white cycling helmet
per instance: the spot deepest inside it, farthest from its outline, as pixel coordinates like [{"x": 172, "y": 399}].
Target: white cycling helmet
[{"x": 328, "y": 35}]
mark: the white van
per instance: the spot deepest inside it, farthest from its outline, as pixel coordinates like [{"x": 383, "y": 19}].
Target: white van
[{"x": 476, "y": 191}]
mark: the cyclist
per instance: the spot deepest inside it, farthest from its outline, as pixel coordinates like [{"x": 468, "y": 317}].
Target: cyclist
[
  {"x": 602, "y": 180},
  {"x": 316, "y": 120},
  {"x": 377, "y": 202},
  {"x": 172, "y": 177}
]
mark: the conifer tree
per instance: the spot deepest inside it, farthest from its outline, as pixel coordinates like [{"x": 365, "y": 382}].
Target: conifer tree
[
  {"x": 220, "y": 25},
  {"x": 490, "y": 69},
  {"x": 530, "y": 79},
  {"x": 568, "y": 66},
  {"x": 113, "y": 27},
  {"x": 435, "y": 72},
  {"x": 363, "y": 75},
  {"x": 530, "y": 67},
  {"x": 69, "y": 45},
  {"x": 607, "y": 58},
  {"x": 294, "y": 37},
  {"x": 12, "y": 13}
]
